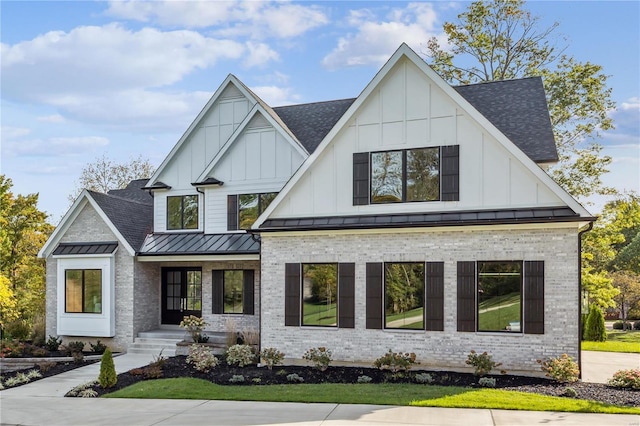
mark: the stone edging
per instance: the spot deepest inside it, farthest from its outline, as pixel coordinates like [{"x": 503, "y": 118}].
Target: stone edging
[{"x": 11, "y": 364}]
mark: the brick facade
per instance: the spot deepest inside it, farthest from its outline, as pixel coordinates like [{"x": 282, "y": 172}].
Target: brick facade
[{"x": 557, "y": 247}]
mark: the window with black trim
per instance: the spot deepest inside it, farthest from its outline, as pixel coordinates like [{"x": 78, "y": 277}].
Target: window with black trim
[
  {"x": 404, "y": 285},
  {"x": 406, "y": 175},
  {"x": 182, "y": 212},
  {"x": 83, "y": 291},
  {"x": 499, "y": 296},
  {"x": 250, "y": 206},
  {"x": 233, "y": 291}
]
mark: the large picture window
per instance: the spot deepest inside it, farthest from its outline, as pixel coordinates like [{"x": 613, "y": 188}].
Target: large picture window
[
  {"x": 407, "y": 175},
  {"x": 233, "y": 283},
  {"x": 83, "y": 291},
  {"x": 182, "y": 212},
  {"x": 404, "y": 295},
  {"x": 233, "y": 291},
  {"x": 499, "y": 296},
  {"x": 250, "y": 206},
  {"x": 320, "y": 294}
]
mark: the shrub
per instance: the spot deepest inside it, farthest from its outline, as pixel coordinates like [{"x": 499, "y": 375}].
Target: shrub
[
  {"x": 33, "y": 374},
  {"x": 293, "y": 377},
  {"x": 76, "y": 391},
  {"x": 194, "y": 326},
  {"x": 482, "y": 364},
  {"x": 594, "y": 328},
  {"x": 152, "y": 372},
  {"x": 320, "y": 357},
  {"x": 636, "y": 325},
  {"x": 201, "y": 358},
  {"x": 18, "y": 329},
  {"x": 107, "y": 377},
  {"x": 620, "y": 325},
  {"x": 87, "y": 393},
  {"x": 424, "y": 378},
  {"x": 77, "y": 346},
  {"x": 158, "y": 361},
  {"x": 395, "y": 361},
  {"x": 78, "y": 357},
  {"x": 563, "y": 369},
  {"x": 250, "y": 337},
  {"x": 37, "y": 352},
  {"x": 46, "y": 366},
  {"x": 570, "y": 392},
  {"x": 237, "y": 378},
  {"x": 271, "y": 357},
  {"x": 11, "y": 349},
  {"x": 364, "y": 379},
  {"x": 240, "y": 355},
  {"x": 38, "y": 332},
  {"x": 98, "y": 347},
  {"x": 626, "y": 379},
  {"x": 256, "y": 380},
  {"x": 487, "y": 382},
  {"x": 53, "y": 343}
]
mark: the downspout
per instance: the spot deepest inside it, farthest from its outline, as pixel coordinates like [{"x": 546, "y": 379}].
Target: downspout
[
  {"x": 256, "y": 237},
  {"x": 587, "y": 229}
]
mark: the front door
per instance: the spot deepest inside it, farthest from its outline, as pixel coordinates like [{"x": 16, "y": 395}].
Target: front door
[{"x": 181, "y": 294}]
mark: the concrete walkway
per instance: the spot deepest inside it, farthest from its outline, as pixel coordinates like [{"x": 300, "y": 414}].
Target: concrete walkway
[{"x": 41, "y": 403}]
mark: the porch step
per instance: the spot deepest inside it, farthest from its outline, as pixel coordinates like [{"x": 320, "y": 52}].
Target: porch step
[{"x": 154, "y": 341}]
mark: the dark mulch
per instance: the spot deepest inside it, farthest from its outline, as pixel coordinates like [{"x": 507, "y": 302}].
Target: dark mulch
[
  {"x": 46, "y": 369},
  {"x": 177, "y": 367}
]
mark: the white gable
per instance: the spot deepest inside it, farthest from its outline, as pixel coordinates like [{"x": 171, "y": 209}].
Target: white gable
[{"x": 408, "y": 106}]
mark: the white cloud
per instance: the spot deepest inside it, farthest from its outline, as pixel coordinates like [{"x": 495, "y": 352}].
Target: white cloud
[
  {"x": 55, "y": 118},
  {"x": 8, "y": 132},
  {"x": 259, "y": 54},
  {"x": 626, "y": 119},
  {"x": 374, "y": 41},
  {"x": 276, "y": 96},
  {"x": 56, "y": 146},
  {"x": 257, "y": 19}
]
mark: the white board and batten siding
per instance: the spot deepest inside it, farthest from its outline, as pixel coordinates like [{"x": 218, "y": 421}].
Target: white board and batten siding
[
  {"x": 260, "y": 160},
  {"x": 408, "y": 110}
]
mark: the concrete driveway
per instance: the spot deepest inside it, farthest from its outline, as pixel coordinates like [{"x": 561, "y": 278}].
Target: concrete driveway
[{"x": 598, "y": 367}]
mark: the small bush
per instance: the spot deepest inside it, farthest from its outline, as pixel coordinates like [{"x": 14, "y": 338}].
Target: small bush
[
  {"x": 38, "y": 332},
  {"x": 53, "y": 343},
  {"x": 38, "y": 352},
  {"x": 240, "y": 355},
  {"x": 87, "y": 393},
  {"x": 483, "y": 363},
  {"x": 107, "y": 377},
  {"x": 294, "y": 378},
  {"x": 78, "y": 357},
  {"x": 237, "y": 378},
  {"x": 364, "y": 379},
  {"x": 194, "y": 326},
  {"x": 46, "y": 366},
  {"x": 77, "y": 346},
  {"x": 201, "y": 358},
  {"x": 620, "y": 325},
  {"x": 76, "y": 391},
  {"x": 319, "y": 357},
  {"x": 153, "y": 372},
  {"x": 570, "y": 392},
  {"x": 626, "y": 379},
  {"x": 158, "y": 361},
  {"x": 636, "y": 325},
  {"x": 11, "y": 349},
  {"x": 271, "y": 357},
  {"x": 98, "y": 347},
  {"x": 17, "y": 329},
  {"x": 424, "y": 378},
  {"x": 594, "y": 329},
  {"x": 395, "y": 361},
  {"x": 256, "y": 380},
  {"x": 563, "y": 369},
  {"x": 487, "y": 382}
]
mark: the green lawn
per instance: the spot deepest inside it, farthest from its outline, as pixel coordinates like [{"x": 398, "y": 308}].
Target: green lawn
[
  {"x": 617, "y": 341},
  {"x": 378, "y": 394}
]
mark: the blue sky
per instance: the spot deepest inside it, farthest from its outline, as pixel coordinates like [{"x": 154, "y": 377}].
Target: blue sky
[{"x": 81, "y": 79}]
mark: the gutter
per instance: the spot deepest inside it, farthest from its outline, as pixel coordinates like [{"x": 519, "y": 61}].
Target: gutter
[{"x": 584, "y": 231}]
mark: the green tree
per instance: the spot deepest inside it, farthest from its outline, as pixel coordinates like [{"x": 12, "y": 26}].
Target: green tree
[
  {"x": 598, "y": 285},
  {"x": 628, "y": 283},
  {"x": 107, "y": 377},
  {"x": 595, "y": 330},
  {"x": 23, "y": 231},
  {"x": 105, "y": 174},
  {"x": 501, "y": 40},
  {"x": 8, "y": 303}
]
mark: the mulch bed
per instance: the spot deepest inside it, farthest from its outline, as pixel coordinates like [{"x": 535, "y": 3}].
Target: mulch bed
[{"x": 177, "y": 367}]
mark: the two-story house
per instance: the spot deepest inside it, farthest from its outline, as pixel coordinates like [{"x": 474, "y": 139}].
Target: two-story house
[{"x": 416, "y": 217}]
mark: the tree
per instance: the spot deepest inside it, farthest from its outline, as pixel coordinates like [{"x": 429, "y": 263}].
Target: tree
[
  {"x": 629, "y": 285},
  {"x": 105, "y": 174},
  {"x": 107, "y": 377},
  {"x": 23, "y": 231},
  {"x": 8, "y": 304},
  {"x": 595, "y": 330},
  {"x": 500, "y": 40}
]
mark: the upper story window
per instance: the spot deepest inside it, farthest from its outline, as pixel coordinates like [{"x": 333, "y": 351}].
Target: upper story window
[
  {"x": 407, "y": 175},
  {"x": 418, "y": 174},
  {"x": 243, "y": 210},
  {"x": 182, "y": 212}
]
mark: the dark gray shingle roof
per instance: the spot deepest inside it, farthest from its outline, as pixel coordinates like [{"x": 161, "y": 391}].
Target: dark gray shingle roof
[
  {"x": 133, "y": 219},
  {"x": 134, "y": 191},
  {"x": 518, "y": 108},
  {"x": 198, "y": 243}
]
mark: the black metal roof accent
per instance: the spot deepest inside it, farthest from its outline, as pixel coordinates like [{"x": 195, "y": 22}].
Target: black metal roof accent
[
  {"x": 197, "y": 243},
  {"x": 518, "y": 108},
  {"x": 208, "y": 181},
  {"x": 410, "y": 220},
  {"x": 157, "y": 185},
  {"x": 106, "y": 247}
]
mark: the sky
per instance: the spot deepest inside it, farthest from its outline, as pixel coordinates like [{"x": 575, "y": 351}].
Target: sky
[{"x": 83, "y": 79}]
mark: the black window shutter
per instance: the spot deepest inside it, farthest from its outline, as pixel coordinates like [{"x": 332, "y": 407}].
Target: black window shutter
[
  {"x": 434, "y": 301},
  {"x": 346, "y": 295},
  {"x": 534, "y": 297},
  {"x": 292, "y": 294},
  {"x": 450, "y": 169},
  {"x": 247, "y": 291},
  {"x": 360, "y": 178},
  {"x": 374, "y": 296},
  {"x": 217, "y": 291},
  {"x": 232, "y": 212},
  {"x": 466, "y": 296}
]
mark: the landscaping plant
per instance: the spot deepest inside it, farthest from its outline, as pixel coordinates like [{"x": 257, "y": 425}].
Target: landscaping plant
[
  {"x": 563, "y": 369},
  {"x": 271, "y": 357},
  {"x": 319, "y": 357},
  {"x": 240, "y": 355},
  {"x": 202, "y": 358},
  {"x": 626, "y": 379},
  {"x": 482, "y": 363},
  {"x": 98, "y": 347},
  {"x": 107, "y": 377},
  {"x": 194, "y": 326},
  {"x": 53, "y": 343},
  {"x": 395, "y": 361},
  {"x": 594, "y": 329}
]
